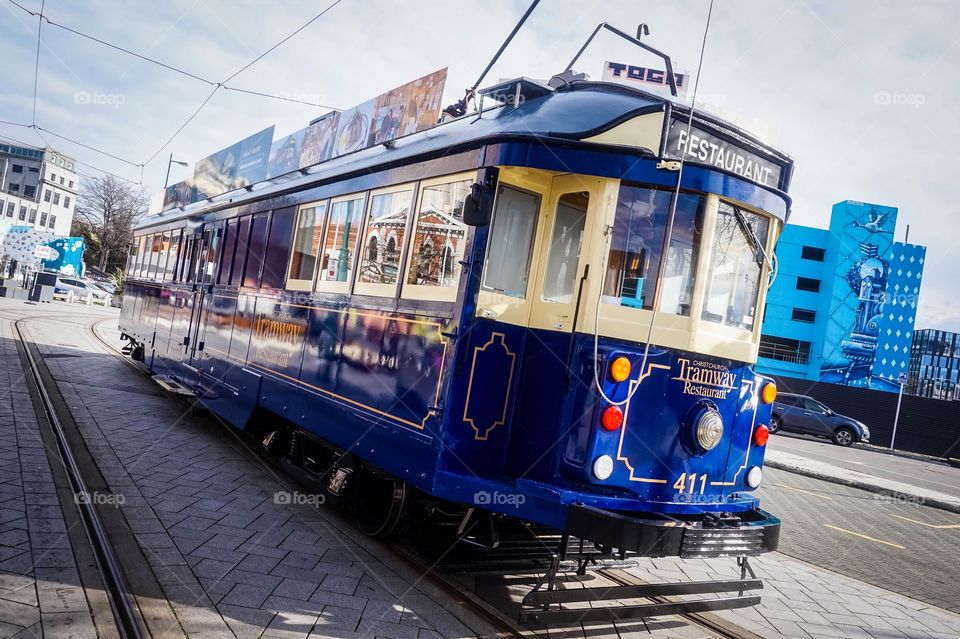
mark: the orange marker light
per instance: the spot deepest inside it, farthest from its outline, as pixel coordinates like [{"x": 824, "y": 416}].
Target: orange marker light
[
  {"x": 761, "y": 435},
  {"x": 612, "y": 418},
  {"x": 620, "y": 369},
  {"x": 768, "y": 393}
]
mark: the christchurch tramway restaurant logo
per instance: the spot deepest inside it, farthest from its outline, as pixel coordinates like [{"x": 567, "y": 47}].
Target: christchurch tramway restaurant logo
[
  {"x": 705, "y": 379},
  {"x": 485, "y": 498}
]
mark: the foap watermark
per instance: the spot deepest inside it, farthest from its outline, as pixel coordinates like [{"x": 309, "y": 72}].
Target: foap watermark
[
  {"x": 297, "y": 96},
  {"x": 95, "y": 98},
  {"x": 898, "y": 498},
  {"x": 496, "y": 498},
  {"x": 285, "y": 498},
  {"x": 896, "y": 98},
  {"x": 99, "y": 499}
]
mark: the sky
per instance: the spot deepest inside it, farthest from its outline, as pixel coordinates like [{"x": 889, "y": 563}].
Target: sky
[{"x": 861, "y": 93}]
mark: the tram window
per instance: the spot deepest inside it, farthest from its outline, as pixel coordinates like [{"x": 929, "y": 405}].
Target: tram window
[
  {"x": 438, "y": 239},
  {"x": 136, "y": 251},
  {"x": 173, "y": 255},
  {"x": 384, "y": 235},
  {"x": 144, "y": 256},
  {"x": 214, "y": 241},
  {"x": 507, "y": 265},
  {"x": 637, "y": 245},
  {"x": 733, "y": 280},
  {"x": 229, "y": 244},
  {"x": 306, "y": 246},
  {"x": 278, "y": 248},
  {"x": 255, "y": 249},
  {"x": 340, "y": 243},
  {"x": 243, "y": 238},
  {"x": 564, "y": 249}
]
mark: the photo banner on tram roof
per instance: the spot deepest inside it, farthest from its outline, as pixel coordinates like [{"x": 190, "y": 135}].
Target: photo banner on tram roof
[{"x": 240, "y": 164}]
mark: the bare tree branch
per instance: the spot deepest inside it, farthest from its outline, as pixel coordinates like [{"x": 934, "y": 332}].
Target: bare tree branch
[{"x": 109, "y": 209}]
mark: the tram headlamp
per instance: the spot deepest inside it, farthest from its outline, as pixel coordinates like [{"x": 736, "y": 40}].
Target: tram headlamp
[
  {"x": 754, "y": 477},
  {"x": 620, "y": 369},
  {"x": 603, "y": 467},
  {"x": 709, "y": 429},
  {"x": 768, "y": 393}
]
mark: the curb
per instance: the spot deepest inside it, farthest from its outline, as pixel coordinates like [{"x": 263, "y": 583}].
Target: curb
[{"x": 924, "y": 499}]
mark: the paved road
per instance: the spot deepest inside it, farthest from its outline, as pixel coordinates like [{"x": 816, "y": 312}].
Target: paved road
[
  {"x": 906, "y": 548},
  {"x": 930, "y": 475}
]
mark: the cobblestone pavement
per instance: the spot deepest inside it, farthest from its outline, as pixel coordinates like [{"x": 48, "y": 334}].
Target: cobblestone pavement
[
  {"x": 39, "y": 581},
  {"x": 235, "y": 562}
]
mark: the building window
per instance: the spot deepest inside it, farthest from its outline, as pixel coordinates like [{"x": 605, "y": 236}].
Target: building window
[
  {"x": 33, "y": 216},
  {"x": 53, "y": 221},
  {"x": 66, "y": 203},
  {"x": 784, "y": 349},
  {"x": 70, "y": 184},
  {"x": 808, "y": 284},
  {"x": 46, "y": 195},
  {"x": 11, "y": 207},
  {"x": 29, "y": 191},
  {"x": 53, "y": 176},
  {"x": 17, "y": 168},
  {"x": 33, "y": 169},
  {"x": 23, "y": 213},
  {"x": 56, "y": 198},
  {"x": 15, "y": 189},
  {"x": 803, "y": 315},
  {"x": 43, "y": 219},
  {"x": 812, "y": 253},
  {"x": 61, "y": 179}
]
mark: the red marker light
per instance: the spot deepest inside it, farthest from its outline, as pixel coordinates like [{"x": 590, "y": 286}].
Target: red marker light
[
  {"x": 612, "y": 418},
  {"x": 761, "y": 435}
]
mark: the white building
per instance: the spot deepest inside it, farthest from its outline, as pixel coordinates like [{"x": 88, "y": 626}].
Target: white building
[{"x": 38, "y": 188}]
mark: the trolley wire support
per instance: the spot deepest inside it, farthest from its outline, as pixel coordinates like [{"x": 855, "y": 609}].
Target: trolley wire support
[{"x": 125, "y": 611}]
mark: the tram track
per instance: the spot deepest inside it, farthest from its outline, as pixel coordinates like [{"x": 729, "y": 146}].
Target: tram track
[
  {"x": 713, "y": 625},
  {"x": 126, "y": 614}
]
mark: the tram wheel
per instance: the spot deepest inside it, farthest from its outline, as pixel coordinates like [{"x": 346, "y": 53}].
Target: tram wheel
[{"x": 379, "y": 503}]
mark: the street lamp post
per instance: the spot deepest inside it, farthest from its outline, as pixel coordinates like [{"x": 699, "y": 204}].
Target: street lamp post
[{"x": 166, "y": 180}]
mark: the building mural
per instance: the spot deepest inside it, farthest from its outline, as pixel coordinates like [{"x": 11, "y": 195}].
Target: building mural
[
  {"x": 873, "y": 292},
  {"x": 20, "y": 242}
]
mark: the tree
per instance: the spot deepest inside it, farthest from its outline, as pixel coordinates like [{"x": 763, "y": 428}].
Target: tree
[{"x": 107, "y": 211}]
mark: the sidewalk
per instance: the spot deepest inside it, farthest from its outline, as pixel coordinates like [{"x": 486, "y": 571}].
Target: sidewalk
[{"x": 828, "y": 472}]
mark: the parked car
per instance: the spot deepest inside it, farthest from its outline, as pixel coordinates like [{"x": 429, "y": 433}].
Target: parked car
[
  {"x": 80, "y": 289},
  {"x": 802, "y": 414}
]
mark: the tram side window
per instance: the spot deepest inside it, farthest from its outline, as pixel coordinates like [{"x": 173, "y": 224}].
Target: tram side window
[
  {"x": 564, "y": 249},
  {"x": 136, "y": 250},
  {"x": 306, "y": 246},
  {"x": 174, "y": 254},
  {"x": 507, "y": 265},
  {"x": 340, "y": 242},
  {"x": 278, "y": 248},
  {"x": 637, "y": 245},
  {"x": 733, "y": 279},
  {"x": 255, "y": 248},
  {"x": 243, "y": 239},
  {"x": 438, "y": 238},
  {"x": 229, "y": 244},
  {"x": 383, "y": 237}
]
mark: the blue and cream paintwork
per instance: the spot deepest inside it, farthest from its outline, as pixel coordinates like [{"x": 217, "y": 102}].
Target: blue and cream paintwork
[{"x": 468, "y": 398}]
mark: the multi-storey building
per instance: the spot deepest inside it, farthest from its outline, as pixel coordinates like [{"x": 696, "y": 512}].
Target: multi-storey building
[
  {"x": 38, "y": 188},
  {"x": 934, "y": 364},
  {"x": 843, "y": 306}
]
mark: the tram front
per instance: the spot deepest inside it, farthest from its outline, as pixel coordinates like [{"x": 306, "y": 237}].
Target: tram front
[{"x": 618, "y": 311}]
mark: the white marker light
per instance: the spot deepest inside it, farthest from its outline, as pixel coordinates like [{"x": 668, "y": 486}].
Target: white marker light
[
  {"x": 754, "y": 477},
  {"x": 603, "y": 467}
]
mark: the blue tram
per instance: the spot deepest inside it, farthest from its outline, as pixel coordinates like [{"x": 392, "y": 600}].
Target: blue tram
[{"x": 546, "y": 310}]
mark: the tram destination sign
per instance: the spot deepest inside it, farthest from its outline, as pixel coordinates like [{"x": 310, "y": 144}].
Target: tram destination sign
[{"x": 706, "y": 148}]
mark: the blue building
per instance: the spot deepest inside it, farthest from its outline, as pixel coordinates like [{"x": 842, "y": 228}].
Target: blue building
[{"x": 844, "y": 303}]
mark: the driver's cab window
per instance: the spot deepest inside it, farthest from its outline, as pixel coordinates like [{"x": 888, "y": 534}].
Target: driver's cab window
[
  {"x": 564, "y": 249},
  {"x": 506, "y": 269}
]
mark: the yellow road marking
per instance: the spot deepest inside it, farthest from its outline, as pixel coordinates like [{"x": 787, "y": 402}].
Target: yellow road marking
[
  {"x": 923, "y": 523},
  {"x": 801, "y": 490},
  {"x": 856, "y": 534}
]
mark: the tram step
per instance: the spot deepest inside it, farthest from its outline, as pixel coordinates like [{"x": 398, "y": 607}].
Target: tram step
[{"x": 171, "y": 385}]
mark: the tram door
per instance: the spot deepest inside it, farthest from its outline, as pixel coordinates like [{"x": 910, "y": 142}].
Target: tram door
[
  {"x": 572, "y": 217},
  {"x": 203, "y": 278}
]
